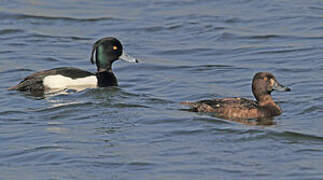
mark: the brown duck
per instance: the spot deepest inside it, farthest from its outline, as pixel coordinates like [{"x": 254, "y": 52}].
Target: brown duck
[{"x": 263, "y": 84}]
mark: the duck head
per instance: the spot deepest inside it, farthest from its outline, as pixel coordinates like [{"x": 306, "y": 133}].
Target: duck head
[
  {"x": 107, "y": 50},
  {"x": 264, "y": 83}
]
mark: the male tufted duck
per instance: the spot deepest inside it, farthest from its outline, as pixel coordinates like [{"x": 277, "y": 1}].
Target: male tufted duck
[{"x": 107, "y": 50}]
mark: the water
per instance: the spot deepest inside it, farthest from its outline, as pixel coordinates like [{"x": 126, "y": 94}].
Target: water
[{"x": 190, "y": 50}]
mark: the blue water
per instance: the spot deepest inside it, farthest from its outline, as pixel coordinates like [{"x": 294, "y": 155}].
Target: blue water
[{"x": 189, "y": 50}]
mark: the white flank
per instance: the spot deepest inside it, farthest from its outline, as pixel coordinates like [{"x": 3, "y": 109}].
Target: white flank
[{"x": 62, "y": 82}]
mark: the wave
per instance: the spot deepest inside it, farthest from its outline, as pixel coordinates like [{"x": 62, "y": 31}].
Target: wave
[{"x": 60, "y": 18}]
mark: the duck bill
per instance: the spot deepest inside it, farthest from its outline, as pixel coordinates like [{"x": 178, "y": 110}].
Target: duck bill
[
  {"x": 279, "y": 87},
  {"x": 124, "y": 56}
]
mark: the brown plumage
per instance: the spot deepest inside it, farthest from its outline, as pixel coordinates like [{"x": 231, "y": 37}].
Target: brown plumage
[{"x": 241, "y": 108}]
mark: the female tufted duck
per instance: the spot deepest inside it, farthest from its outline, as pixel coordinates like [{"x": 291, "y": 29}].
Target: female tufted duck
[{"x": 240, "y": 108}]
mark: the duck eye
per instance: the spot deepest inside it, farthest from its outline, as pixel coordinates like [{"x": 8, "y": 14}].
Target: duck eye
[
  {"x": 265, "y": 78},
  {"x": 115, "y": 48}
]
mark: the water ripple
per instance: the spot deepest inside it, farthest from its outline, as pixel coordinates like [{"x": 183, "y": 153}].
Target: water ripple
[
  {"x": 39, "y": 35},
  {"x": 295, "y": 136},
  {"x": 10, "y": 31},
  {"x": 311, "y": 109},
  {"x": 61, "y": 106},
  {"x": 61, "y": 18},
  {"x": 32, "y": 154}
]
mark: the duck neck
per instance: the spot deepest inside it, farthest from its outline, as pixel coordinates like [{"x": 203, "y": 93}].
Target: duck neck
[
  {"x": 106, "y": 78},
  {"x": 267, "y": 102}
]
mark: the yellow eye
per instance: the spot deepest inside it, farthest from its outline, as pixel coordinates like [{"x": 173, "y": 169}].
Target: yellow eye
[
  {"x": 265, "y": 78},
  {"x": 115, "y": 48}
]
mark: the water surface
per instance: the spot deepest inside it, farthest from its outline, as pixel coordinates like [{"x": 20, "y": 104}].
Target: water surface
[{"x": 190, "y": 50}]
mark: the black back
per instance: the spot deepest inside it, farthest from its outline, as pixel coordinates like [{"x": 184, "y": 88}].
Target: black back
[{"x": 34, "y": 82}]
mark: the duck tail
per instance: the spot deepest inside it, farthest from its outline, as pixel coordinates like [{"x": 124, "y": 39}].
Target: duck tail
[
  {"x": 13, "y": 88},
  {"x": 198, "y": 107},
  {"x": 19, "y": 86}
]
